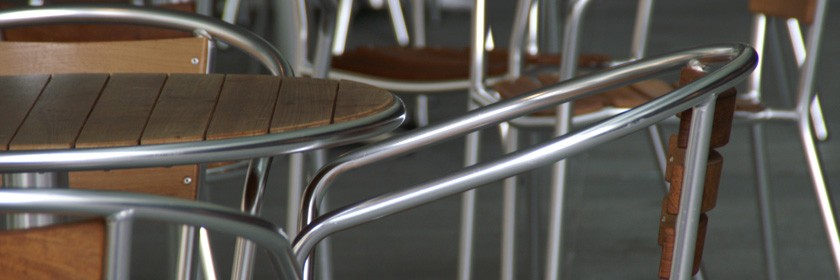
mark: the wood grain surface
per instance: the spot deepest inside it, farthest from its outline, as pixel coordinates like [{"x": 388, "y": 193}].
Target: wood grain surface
[
  {"x": 20, "y": 95},
  {"x": 66, "y": 251},
  {"x": 165, "y": 181},
  {"x": 800, "y": 9},
  {"x": 147, "y": 56},
  {"x": 304, "y": 103},
  {"x": 61, "y": 111},
  {"x": 101, "y": 110},
  {"x": 183, "y": 109},
  {"x": 245, "y": 107},
  {"x": 355, "y": 100},
  {"x": 122, "y": 111}
]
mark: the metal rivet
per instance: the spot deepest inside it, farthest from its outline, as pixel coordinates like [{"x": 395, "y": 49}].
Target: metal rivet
[
  {"x": 195, "y": 60},
  {"x": 663, "y": 219},
  {"x": 187, "y": 180},
  {"x": 671, "y": 159}
]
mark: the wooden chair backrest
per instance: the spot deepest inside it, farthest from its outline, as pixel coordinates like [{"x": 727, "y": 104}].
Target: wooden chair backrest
[
  {"x": 181, "y": 55},
  {"x": 802, "y": 10},
  {"x": 185, "y": 55},
  {"x": 94, "y": 32}
]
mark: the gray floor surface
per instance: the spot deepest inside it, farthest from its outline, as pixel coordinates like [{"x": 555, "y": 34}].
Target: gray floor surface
[{"x": 614, "y": 193}]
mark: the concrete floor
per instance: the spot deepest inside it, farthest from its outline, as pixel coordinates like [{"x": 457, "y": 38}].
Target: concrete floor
[{"x": 615, "y": 192}]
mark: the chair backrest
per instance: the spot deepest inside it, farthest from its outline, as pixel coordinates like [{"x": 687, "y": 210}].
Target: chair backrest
[
  {"x": 120, "y": 210},
  {"x": 186, "y": 55},
  {"x": 238, "y": 37},
  {"x": 93, "y": 32}
]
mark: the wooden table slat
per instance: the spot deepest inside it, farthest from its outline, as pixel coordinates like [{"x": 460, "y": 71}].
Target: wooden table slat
[
  {"x": 20, "y": 93},
  {"x": 245, "y": 106},
  {"x": 184, "y": 109},
  {"x": 356, "y": 100},
  {"x": 59, "y": 114},
  {"x": 122, "y": 110},
  {"x": 304, "y": 103}
]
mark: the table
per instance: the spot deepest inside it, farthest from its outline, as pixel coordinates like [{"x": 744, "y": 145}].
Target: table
[
  {"x": 53, "y": 124},
  {"x": 69, "y": 122}
]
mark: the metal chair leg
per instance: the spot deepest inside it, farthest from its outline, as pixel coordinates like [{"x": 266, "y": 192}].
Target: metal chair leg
[
  {"x": 465, "y": 252},
  {"x": 820, "y": 187},
  {"x": 422, "y": 113},
  {"x": 252, "y": 195},
  {"x": 764, "y": 202},
  {"x": 510, "y": 141},
  {"x": 397, "y": 18}
]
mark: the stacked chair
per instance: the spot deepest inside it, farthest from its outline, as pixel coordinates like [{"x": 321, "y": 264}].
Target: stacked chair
[
  {"x": 805, "y": 111},
  {"x": 586, "y": 110},
  {"x": 135, "y": 54},
  {"x": 291, "y": 264}
]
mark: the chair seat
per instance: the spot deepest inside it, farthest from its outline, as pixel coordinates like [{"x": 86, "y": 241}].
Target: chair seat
[
  {"x": 623, "y": 97},
  {"x": 437, "y": 63}
]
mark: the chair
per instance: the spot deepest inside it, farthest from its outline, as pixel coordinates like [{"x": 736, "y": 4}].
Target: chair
[
  {"x": 805, "y": 112},
  {"x": 586, "y": 110},
  {"x": 109, "y": 257},
  {"x": 320, "y": 226},
  {"x": 183, "y": 55},
  {"x": 120, "y": 209}
]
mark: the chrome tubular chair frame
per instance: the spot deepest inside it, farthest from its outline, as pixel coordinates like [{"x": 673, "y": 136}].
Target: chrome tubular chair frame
[
  {"x": 121, "y": 209},
  {"x": 561, "y": 123},
  {"x": 176, "y": 154},
  {"x": 698, "y": 94},
  {"x": 805, "y": 113}
]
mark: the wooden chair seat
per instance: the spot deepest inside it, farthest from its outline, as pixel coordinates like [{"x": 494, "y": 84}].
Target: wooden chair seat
[
  {"x": 436, "y": 63},
  {"x": 623, "y": 97}
]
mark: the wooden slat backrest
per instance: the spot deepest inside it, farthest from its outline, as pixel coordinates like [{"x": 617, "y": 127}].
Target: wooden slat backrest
[
  {"x": 185, "y": 55},
  {"x": 802, "y": 10},
  {"x": 94, "y": 32},
  {"x": 66, "y": 251}
]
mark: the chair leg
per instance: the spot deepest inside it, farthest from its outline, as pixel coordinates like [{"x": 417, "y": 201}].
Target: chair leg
[
  {"x": 659, "y": 151},
  {"x": 397, "y": 18},
  {"x": 208, "y": 266},
  {"x": 422, "y": 113},
  {"x": 553, "y": 258},
  {"x": 465, "y": 252},
  {"x": 508, "y": 251},
  {"x": 820, "y": 188},
  {"x": 820, "y": 129},
  {"x": 186, "y": 248},
  {"x": 764, "y": 200},
  {"x": 252, "y": 196}
]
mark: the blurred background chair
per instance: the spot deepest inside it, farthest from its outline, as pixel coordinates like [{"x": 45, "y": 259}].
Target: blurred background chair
[
  {"x": 805, "y": 110},
  {"x": 586, "y": 110},
  {"x": 135, "y": 53}
]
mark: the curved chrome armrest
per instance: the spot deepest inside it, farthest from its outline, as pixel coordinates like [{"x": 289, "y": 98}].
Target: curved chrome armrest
[{"x": 742, "y": 62}]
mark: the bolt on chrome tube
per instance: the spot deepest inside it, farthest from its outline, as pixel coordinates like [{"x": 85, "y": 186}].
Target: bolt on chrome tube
[
  {"x": 743, "y": 60},
  {"x": 150, "y": 16}
]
